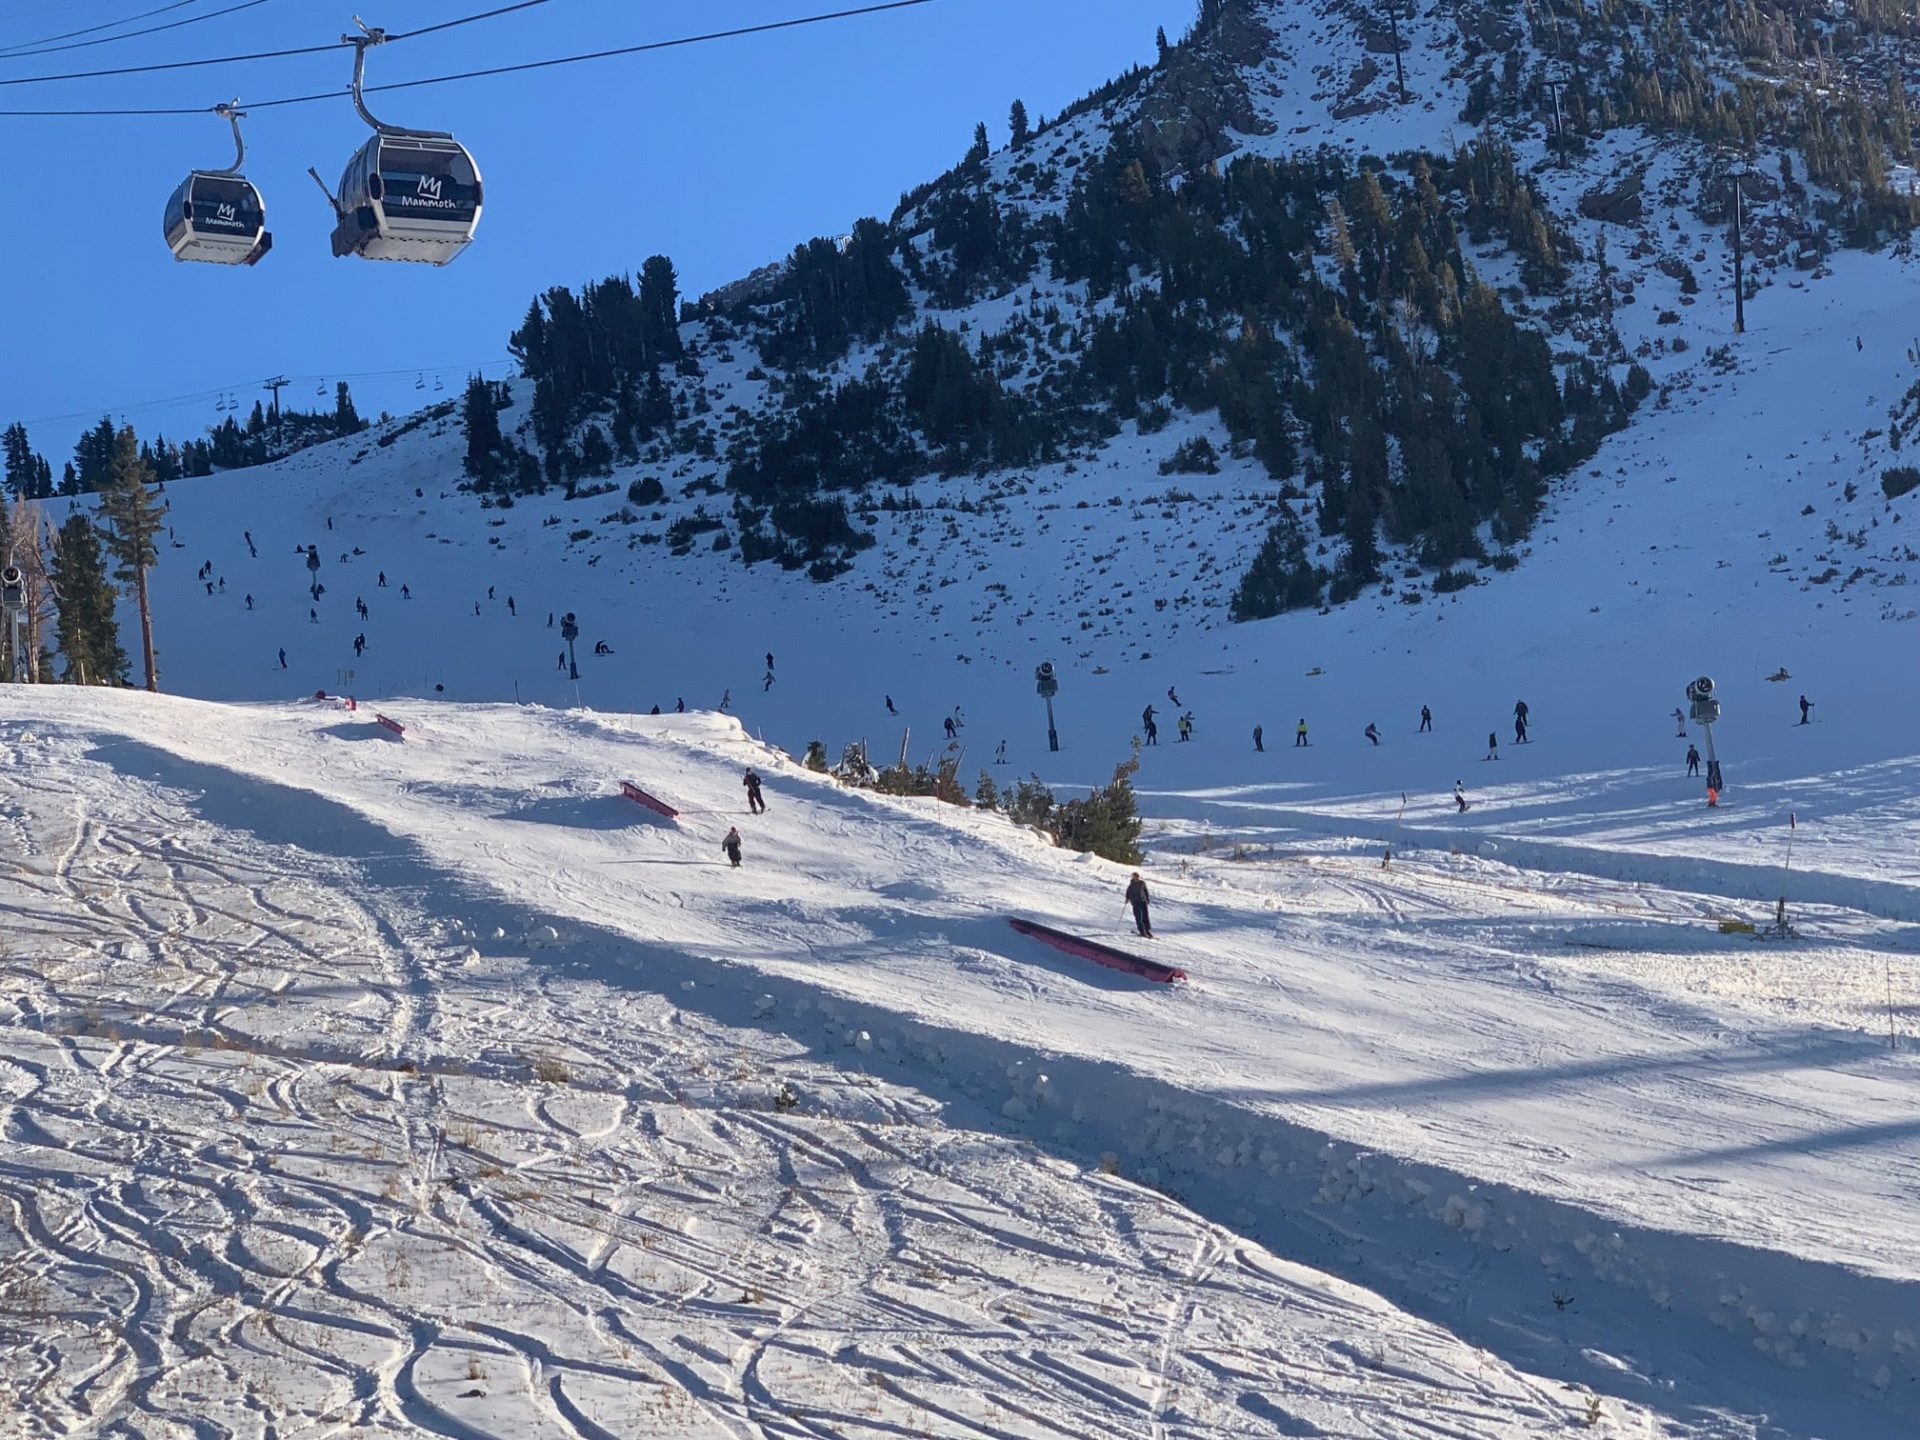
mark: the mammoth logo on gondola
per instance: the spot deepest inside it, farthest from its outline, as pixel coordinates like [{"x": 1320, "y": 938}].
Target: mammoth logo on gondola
[
  {"x": 429, "y": 187},
  {"x": 226, "y": 214}
]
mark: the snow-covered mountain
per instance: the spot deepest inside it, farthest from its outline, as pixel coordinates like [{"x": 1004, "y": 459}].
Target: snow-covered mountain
[{"x": 1494, "y": 1122}]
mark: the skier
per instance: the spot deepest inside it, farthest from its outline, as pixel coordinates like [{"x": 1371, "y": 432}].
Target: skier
[
  {"x": 1679, "y": 723},
  {"x": 1185, "y": 724},
  {"x": 512, "y": 609},
  {"x": 1153, "y": 730},
  {"x": 769, "y": 660},
  {"x": 767, "y": 684},
  {"x": 1460, "y": 798},
  {"x": 726, "y": 699},
  {"x": 952, "y": 734},
  {"x": 754, "y": 802},
  {"x": 732, "y": 845},
  {"x": 1138, "y": 899},
  {"x": 1493, "y": 746},
  {"x": 1259, "y": 740},
  {"x": 476, "y": 607},
  {"x": 360, "y": 604},
  {"x": 679, "y": 705},
  {"x": 359, "y": 646},
  {"x": 563, "y": 661},
  {"x": 383, "y": 580},
  {"x": 313, "y": 616},
  {"x": 405, "y": 593},
  {"x": 1300, "y": 734},
  {"x": 249, "y": 602},
  {"x": 283, "y": 659},
  {"x": 209, "y": 587},
  {"x": 490, "y": 592},
  {"x": 890, "y": 709},
  {"x": 1806, "y": 710},
  {"x": 1426, "y": 720},
  {"x": 1372, "y": 732},
  {"x": 1693, "y": 760}
]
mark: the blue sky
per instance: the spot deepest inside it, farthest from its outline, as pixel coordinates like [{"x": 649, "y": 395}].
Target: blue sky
[{"x": 723, "y": 156}]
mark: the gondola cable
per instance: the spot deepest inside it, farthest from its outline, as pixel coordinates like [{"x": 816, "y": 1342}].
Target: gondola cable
[
  {"x": 625, "y": 50},
  {"x": 20, "y": 53}
]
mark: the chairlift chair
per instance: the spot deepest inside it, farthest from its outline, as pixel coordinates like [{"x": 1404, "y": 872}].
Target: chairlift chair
[
  {"x": 407, "y": 194},
  {"x": 217, "y": 216}
]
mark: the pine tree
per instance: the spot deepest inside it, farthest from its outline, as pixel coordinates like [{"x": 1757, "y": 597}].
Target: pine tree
[
  {"x": 482, "y": 418},
  {"x": 88, "y": 633},
  {"x": 1018, "y": 124},
  {"x": 136, "y": 520},
  {"x": 659, "y": 311},
  {"x": 1160, "y": 41},
  {"x": 346, "y": 419},
  {"x": 982, "y": 148},
  {"x": 22, "y": 465}
]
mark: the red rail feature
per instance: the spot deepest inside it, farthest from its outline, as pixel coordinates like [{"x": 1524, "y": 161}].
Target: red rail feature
[
  {"x": 640, "y": 797},
  {"x": 392, "y": 727},
  {"x": 1100, "y": 954}
]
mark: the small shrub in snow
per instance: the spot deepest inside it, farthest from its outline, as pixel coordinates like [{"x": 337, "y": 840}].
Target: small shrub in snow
[
  {"x": 1450, "y": 580},
  {"x": 1194, "y": 457}
]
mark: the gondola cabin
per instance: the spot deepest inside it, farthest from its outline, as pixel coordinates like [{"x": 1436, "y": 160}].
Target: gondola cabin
[
  {"x": 217, "y": 218},
  {"x": 413, "y": 195}
]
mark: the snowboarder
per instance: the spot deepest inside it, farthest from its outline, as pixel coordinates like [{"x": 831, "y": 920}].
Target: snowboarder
[
  {"x": 1259, "y": 740},
  {"x": 383, "y": 580},
  {"x": 1153, "y": 730},
  {"x": 600, "y": 647},
  {"x": 1173, "y": 698},
  {"x": 726, "y": 699},
  {"x": 1493, "y": 745},
  {"x": 959, "y": 720},
  {"x": 1693, "y": 760},
  {"x": 754, "y": 803},
  {"x": 1806, "y": 710},
  {"x": 283, "y": 659},
  {"x": 1300, "y": 734},
  {"x": 512, "y": 609},
  {"x": 1000, "y": 755},
  {"x": 249, "y": 602},
  {"x": 769, "y": 660},
  {"x": 405, "y": 593},
  {"x": 1372, "y": 732},
  {"x": 890, "y": 709},
  {"x": 1138, "y": 899},
  {"x": 1519, "y": 729},
  {"x": 1185, "y": 725},
  {"x": 1679, "y": 723},
  {"x": 1520, "y": 717},
  {"x": 679, "y": 705},
  {"x": 1460, "y": 798},
  {"x": 1426, "y": 720},
  {"x": 952, "y": 734},
  {"x": 731, "y": 845}
]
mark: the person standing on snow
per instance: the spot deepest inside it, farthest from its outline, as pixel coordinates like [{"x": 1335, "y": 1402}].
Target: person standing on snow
[
  {"x": 1460, "y": 797},
  {"x": 1679, "y": 723},
  {"x": 731, "y": 845},
  {"x": 1300, "y": 734},
  {"x": 1138, "y": 899},
  {"x": 1693, "y": 760},
  {"x": 1259, "y": 741},
  {"x": 1372, "y": 732},
  {"x": 1172, "y": 698},
  {"x": 754, "y": 803},
  {"x": 890, "y": 709},
  {"x": 1153, "y": 730},
  {"x": 1493, "y": 746},
  {"x": 1426, "y": 720},
  {"x": 952, "y": 734},
  {"x": 1806, "y": 710},
  {"x": 512, "y": 609},
  {"x": 769, "y": 662},
  {"x": 1520, "y": 720},
  {"x": 283, "y": 659}
]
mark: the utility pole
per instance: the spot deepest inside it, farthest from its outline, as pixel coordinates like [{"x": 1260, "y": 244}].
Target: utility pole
[
  {"x": 1556, "y": 80},
  {"x": 1399, "y": 66},
  {"x": 1737, "y": 174},
  {"x": 276, "y": 385},
  {"x": 1048, "y": 685}
]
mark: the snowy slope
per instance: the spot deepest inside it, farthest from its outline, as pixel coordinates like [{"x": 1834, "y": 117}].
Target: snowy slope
[{"x": 1726, "y": 1193}]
